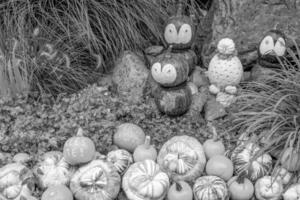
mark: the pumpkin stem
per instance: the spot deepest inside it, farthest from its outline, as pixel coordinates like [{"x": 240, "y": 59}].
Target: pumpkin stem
[
  {"x": 179, "y": 8},
  {"x": 241, "y": 178},
  {"x": 80, "y": 132},
  {"x": 214, "y": 132},
  {"x": 178, "y": 186},
  {"x": 147, "y": 141}
]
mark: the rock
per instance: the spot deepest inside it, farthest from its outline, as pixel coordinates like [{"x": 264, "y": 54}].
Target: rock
[
  {"x": 225, "y": 99},
  {"x": 214, "y": 110},
  {"x": 130, "y": 76},
  {"x": 247, "y": 21},
  {"x": 198, "y": 77},
  {"x": 198, "y": 101}
]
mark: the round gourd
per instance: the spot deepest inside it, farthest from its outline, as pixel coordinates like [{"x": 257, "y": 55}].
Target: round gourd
[
  {"x": 290, "y": 159},
  {"x": 52, "y": 169},
  {"x": 128, "y": 136},
  {"x": 79, "y": 149},
  {"x": 173, "y": 101},
  {"x": 240, "y": 188},
  {"x": 179, "y": 191},
  {"x": 213, "y": 146},
  {"x": 210, "y": 188},
  {"x": 145, "y": 151},
  {"x": 121, "y": 159},
  {"x": 292, "y": 193},
  {"x": 58, "y": 192},
  {"x": 96, "y": 180},
  {"x": 145, "y": 180},
  {"x": 220, "y": 166},
  {"x": 283, "y": 175},
  {"x": 245, "y": 158},
  {"x": 170, "y": 69},
  {"x": 268, "y": 188},
  {"x": 182, "y": 158}
]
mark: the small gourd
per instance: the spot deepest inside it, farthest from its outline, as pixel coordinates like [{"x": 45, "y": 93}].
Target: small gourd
[
  {"x": 213, "y": 146},
  {"x": 220, "y": 166},
  {"x": 79, "y": 149},
  {"x": 290, "y": 159},
  {"x": 180, "y": 190},
  {"x": 240, "y": 188},
  {"x": 283, "y": 174},
  {"x": 292, "y": 193},
  {"x": 120, "y": 158},
  {"x": 145, "y": 151},
  {"x": 268, "y": 188},
  {"x": 58, "y": 192}
]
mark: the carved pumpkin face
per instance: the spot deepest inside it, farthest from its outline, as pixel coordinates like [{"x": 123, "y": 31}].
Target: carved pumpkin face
[
  {"x": 145, "y": 180},
  {"x": 179, "y": 32},
  {"x": 96, "y": 180},
  {"x": 170, "y": 69}
]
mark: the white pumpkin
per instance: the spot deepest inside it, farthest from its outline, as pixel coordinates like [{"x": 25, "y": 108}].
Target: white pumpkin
[
  {"x": 52, "y": 170},
  {"x": 268, "y": 188},
  {"x": 292, "y": 193},
  {"x": 15, "y": 180},
  {"x": 210, "y": 188},
  {"x": 182, "y": 158},
  {"x": 96, "y": 180},
  {"x": 245, "y": 159},
  {"x": 145, "y": 181},
  {"x": 120, "y": 158}
]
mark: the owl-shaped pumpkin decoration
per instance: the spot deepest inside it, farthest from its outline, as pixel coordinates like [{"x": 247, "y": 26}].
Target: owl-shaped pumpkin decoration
[
  {"x": 120, "y": 158},
  {"x": 179, "y": 30},
  {"x": 210, "y": 188},
  {"x": 246, "y": 159},
  {"x": 145, "y": 181},
  {"x": 16, "y": 182},
  {"x": 52, "y": 169},
  {"x": 96, "y": 180},
  {"x": 225, "y": 70},
  {"x": 182, "y": 158}
]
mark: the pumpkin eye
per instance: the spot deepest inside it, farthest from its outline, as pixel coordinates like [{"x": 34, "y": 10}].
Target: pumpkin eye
[
  {"x": 280, "y": 47},
  {"x": 185, "y": 34},
  {"x": 156, "y": 68},
  {"x": 266, "y": 45},
  {"x": 170, "y": 34}
]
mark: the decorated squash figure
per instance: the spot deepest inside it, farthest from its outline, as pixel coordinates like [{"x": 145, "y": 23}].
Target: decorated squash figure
[
  {"x": 182, "y": 158},
  {"x": 96, "y": 180},
  {"x": 16, "y": 182},
  {"x": 52, "y": 169},
  {"x": 145, "y": 180},
  {"x": 121, "y": 159}
]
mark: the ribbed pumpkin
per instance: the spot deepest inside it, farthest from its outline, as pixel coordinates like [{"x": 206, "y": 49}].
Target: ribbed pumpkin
[
  {"x": 52, "y": 169},
  {"x": 170, "y": 69},
  {"x": 268, "y": 188},
  {"x": 120, "y": 158},
  {"x": 182, "y": 158},
  {"x": 210, "y": 188},
  {"x": 16, "y": 182},
  {"x": 173, "y": 101},
  {"x": 96, "y": 180},
  {"x": 145, "y": 181},
  {"x": 245, "y": 159},
  {"x": 79, "y": 149}
]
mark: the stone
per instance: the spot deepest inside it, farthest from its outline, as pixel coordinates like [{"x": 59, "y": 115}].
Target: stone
[
  {"x": 214, "y": 110},
  {"x": 198, "y": 77},
  {"x": 246, "y": 22},
  {"x": 130, "y": 76}
]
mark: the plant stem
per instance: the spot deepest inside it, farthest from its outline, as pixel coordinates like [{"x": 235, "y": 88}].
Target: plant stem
[
  {"x": 179, "y": 8},
  {"x": 147, "y": 141},
  {"x": 80, "y": 132},
  {"x": 178, "y": 186}
]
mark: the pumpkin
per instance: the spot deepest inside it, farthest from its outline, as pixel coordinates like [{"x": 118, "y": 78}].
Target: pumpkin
[
  {"x": 292, "y": 193},
  {"x": 220, "y": 166},
  {"x": 246, "y": 158},
  {"x": 52, "y": 169},
  {"x": 290, "y": 159},
  {"x": 268, "y": 188},
  {"x": 16, "y": 182},
  {"x": 170, "y": 69},
  {"x": 174, "y": 101},
  {"x": 179, "y": 30},
  {"x": 145, "y": 180},
  {"x": 180, "y": 190},
  {"x": 22, "y": 158},
  {"x": 145, "y": 151},
  {"x": 96, "y": 180},
  {"x": 240, "y": 188},
  {"x": 283, "y": 175},
  {"x": 128, "y": 136},
  {"x": 57, "y": 192},
  {"x": 120, "y": 158},
  {"x": 79, "y": 149},
  {"x": 190, "y": 56},
  {"x": 213, "y": 146},
  {"x": 182, "y": 158},
  {"x": 210, "y": 188}
]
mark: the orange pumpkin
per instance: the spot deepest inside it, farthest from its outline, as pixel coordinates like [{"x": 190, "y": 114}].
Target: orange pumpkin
[
  {"x": 240, "y": 188},
  {"x": 79, "y": 149},
  {"x": 58, "y": 192},
  {"x": 180, "y": 190},
  {"x": 213, "y": 146},
  {"x": 145, "y": 151},
  {"x": 220, "y": 166}
]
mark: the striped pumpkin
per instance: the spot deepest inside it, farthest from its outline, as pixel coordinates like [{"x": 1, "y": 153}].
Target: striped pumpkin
[
  {"x": 96, "y": 180},
  {"x": 210, "y": 188},
  {"x": 182, "y": 158},
  {"x": 145, "y": 181},
  {"x": 246, "y": 159},
  {"x": 120, "y": 158}
]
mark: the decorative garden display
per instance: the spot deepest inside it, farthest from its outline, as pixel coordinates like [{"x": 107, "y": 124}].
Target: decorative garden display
[{"x": 120, "y": 158}]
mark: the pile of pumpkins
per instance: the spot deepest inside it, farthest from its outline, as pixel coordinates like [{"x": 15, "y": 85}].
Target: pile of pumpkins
[{"x": 182, "y": 169}]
